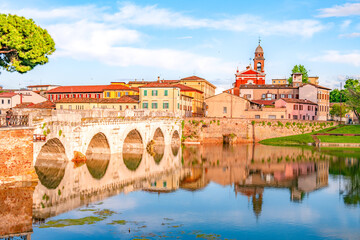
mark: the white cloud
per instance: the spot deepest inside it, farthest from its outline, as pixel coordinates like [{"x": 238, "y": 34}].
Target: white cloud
[
  {"x": 352, "y": 58},
  {"x": 350, "y": 35},
  {"x": 185, "y": 37},
  {"x": 62, "y": 13},
  {"x": 345, "y": 24},
  {"x": 154, "y": 16},
  {"x": 134, "y": 15},
  {"x": 348, "y": 9}
]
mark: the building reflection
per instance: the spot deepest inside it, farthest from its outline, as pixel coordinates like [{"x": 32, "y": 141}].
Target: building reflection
[
  {"x": 252, "y": 169},
  {"x": 16, "y": 211}
]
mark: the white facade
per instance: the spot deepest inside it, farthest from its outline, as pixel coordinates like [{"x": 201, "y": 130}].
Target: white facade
[
  {"x": 30, "y": 97},
  {"x": 7, "y": 102}
]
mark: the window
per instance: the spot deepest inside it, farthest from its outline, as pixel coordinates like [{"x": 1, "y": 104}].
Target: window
[
  {"x": 2, "y": 101},
  {"x": 295, "y": 117},
  {"x": 120, "y": 108},
  {"x": 295, "y": 107},
  {"x": 257, "y": 116},
  {"x": 134, "y": 106},
  {"x": 118, "y": 94},
  {"x": 107, "y": 94},
  {"x": 61, "y": 106},
  {"x": 178, "y": 105},
  {"x": 259, "y": 66},
  {"x": 145, "y": 92},
  {"x": 164, "y": 184},
  {"x": 165, "y": 92},
  {"x": 282, "y": 96},
  {"x": 154, "y": 105},
  {"x": 145, "y": 105},
  {"x": 301, "y": 107},
  {"x": 154, "y": 92},
  {"x": 303, "y": 117},
  {"x": 165, "y": 105},
  {"x": 70, "y": 107},
  {"x": 225, "y": 110},
  {"x": 263, "y": 96},
  {"x": 290, "y": 96},
  {"x": 272, "y": 116},
  {"x": 282, "y": 116},
  {"x": 126, "y": 93},
  {"x": 9, "y": 101}
]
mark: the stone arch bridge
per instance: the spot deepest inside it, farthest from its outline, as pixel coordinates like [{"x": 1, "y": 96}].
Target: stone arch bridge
[{"x": 66, "y": 134}]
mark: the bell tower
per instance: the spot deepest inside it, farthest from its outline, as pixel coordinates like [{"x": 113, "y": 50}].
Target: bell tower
[{"x": 259, "y": 59}]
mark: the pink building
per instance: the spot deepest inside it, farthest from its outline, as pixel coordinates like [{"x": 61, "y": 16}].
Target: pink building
[{"x": 298, "y": 108}]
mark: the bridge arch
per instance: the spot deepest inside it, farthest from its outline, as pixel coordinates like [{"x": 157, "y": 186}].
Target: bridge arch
[
  {"x": 98, "y": 155},
  {"x": 175, "y": 142},
  {"x": 133, "y": 148},
  {"x": 51, "y": 163},
  {"x": 156, "y": 147}
]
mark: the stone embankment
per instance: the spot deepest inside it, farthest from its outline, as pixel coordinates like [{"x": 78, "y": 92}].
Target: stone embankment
[{"x": 216, "y": 130}]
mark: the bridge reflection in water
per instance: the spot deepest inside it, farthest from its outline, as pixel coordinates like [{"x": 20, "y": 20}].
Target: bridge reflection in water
[{"x": 249, "y": 169}]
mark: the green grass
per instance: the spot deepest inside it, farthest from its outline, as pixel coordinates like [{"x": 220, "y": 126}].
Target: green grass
[
  {"x": 300, "y": 139},
  {"x": 340, "y": 139},
  {"x": 352, "y": 129}
]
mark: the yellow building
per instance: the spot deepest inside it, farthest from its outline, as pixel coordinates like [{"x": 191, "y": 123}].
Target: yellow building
[
  {"x": 117, "y": 90},
  {"x": 186, "y": 105},
  {"x": 314, "y": 80},
  {"x": 197, "y": 99},
  {"x": 200, "y": 84},
  {"x": 120, "y": 104},
  {"x": 279, "y": 81},
  {"x": 160, "y": 96}
]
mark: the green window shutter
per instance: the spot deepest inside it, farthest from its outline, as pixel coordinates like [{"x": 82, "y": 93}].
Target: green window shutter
[
  {"x": 166, "y": 93},
  {"x": 145, "y": 92}
]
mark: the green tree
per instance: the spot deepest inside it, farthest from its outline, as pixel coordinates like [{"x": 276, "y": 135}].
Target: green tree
[
  {"x": 339, "y": 110},
  {"x": 23, "y": 44},
  {"x": 299, "y": 69},
  {"x": 352, "y": 87},
  {"x": 337, "y": 95}
]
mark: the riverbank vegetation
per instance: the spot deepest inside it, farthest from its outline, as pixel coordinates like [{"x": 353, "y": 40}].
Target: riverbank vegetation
[{"x": 307, "y": 138}]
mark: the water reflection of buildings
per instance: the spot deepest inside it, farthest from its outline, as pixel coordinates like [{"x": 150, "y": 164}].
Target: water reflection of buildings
[
  {"x": 251, "y": 169},
  {"x": 65, "y": 186},
  {"x": 16, "y": 211}
]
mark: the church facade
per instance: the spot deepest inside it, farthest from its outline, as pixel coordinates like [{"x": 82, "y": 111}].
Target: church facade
[{"x": 252, "y": 75}]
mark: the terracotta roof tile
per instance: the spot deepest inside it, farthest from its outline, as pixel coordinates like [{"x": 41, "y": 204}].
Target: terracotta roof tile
[
  {"x": 266, "y": 86},
  {"x": 159, "y": 85},
  {"x": 184, "y": 88},
  {"x": 117, "y": 87},
  {"x": 79, "y": 89},
  {"x": 7, "y": 94},
  {"x": 123, "y": 99},
  {"x": 264, "y": 102},
  {"x": 193, "y": 78},
  {"x": 294, "y": 100}
]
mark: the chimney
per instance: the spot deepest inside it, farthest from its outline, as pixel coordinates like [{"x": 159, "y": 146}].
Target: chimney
[{"x": 158, "y": 79}]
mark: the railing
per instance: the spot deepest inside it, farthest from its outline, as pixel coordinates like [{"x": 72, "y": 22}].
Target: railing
[{"x": 14, "y": 121}]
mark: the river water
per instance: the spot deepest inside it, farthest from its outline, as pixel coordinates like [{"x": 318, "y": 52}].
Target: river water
[{"x": 189, "y": 192}]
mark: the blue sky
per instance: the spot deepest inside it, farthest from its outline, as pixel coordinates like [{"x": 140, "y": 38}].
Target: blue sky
[{"x": 102, "y": 41}]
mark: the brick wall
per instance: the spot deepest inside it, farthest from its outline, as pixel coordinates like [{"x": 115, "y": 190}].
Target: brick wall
[
  {"x": 211, "y": 130},
  {"x": 16, "y": 152},
  {"x": 16, "y": 210}
]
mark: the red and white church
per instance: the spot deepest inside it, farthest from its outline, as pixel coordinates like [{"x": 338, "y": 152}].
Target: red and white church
[{"x": 251, "y": 75}]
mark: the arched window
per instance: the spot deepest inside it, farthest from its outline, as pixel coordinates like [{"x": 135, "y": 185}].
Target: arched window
[{"x": 259, "y": 66}]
